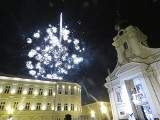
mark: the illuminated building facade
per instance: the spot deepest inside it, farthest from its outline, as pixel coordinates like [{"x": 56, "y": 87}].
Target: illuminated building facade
[
  {"x": 134, "y": 85},
  {"x": 97, "y": 111},
  {"x": 27, "y": 99}
]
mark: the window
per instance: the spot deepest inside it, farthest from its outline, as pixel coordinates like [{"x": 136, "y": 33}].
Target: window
[
  {"x": 72, "y": 91},
  {"x": 125, "y": 45},
  {"x": 19, "y": 90},
  {"x": 65, "y": 106},
  {"x": 27, "y": 106},
  {"x": 15, "y": 106},
  {"x": 118, "y": 93},
  {"x": 66, "y": 91},
  {"x": 59, "y": 90},
  {"x": 30, "y": 91},
  {"x": 7, "y": 89},
  {"x": 38, "y": 106},
  {"x": 58, "y": 119},
  {"x": 40, "y": 91},
  {"x": 59, "y": 106},
  {"x": 72, "y": 106},
  {"x": 48, "y": 106},
  {"x": 2, "y": 104},
  {"x": 50, "y": 92}
]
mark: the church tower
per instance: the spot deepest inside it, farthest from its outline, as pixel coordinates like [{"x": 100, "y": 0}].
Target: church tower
[{"x": 129, "y": 43}]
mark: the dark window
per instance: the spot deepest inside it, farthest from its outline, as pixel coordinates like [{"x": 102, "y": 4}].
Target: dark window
[
  {"x": 2, "y": 104},
  {"x": 30, "y": 91},
  {"x": 7, "y": 89},
  {"x": 19, "y": 90},
  {"x": 125, "y": 45}
]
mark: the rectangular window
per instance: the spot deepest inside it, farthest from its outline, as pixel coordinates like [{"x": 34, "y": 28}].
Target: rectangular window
[
  {"x": 65, "y": 106},
  {"x": 19, "y": 90},
  {"x": 48, "y": 106},
  {"x": 72, "y": 91},
  {"x": 72, "y": 106},
  {"x": 59, "y": 107},
  {"x": 66, "y": 91},
  {"x": 58, "y": 119},
  {"x": 2, "y": 104},
  {"x": 38, "y": 106},
  {"x": 27, "y": 107},
  {"x": 30, "y": 91},
  {"x": 15, "y": 106},
  {"x": 7, "y": 89},
  {"x": 59, "y": 90},
  {"x": 40, "y": 91},
  {"x": 50, "y": 92}
]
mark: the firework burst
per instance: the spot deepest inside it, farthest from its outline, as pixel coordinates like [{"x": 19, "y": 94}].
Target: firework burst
[{"x": 56, "y": 55}]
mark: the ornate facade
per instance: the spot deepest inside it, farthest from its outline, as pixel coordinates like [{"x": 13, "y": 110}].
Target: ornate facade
[
  {"x": 134, "y": 85},
  {"x": 27, "y": 99}
]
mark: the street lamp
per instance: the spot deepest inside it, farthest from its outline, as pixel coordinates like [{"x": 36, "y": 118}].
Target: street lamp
[
  {"x": 103, "y": 110},
  {"x": 10, "y": 112}
]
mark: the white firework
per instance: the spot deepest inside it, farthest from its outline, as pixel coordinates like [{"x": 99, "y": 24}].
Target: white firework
[{"x": 57, "y": 54}]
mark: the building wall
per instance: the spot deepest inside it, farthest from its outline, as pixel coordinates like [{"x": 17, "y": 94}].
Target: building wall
[
  {"x": 97, "y": 111},
  {"x": 134, "y": 85},
  {"x": 38, "y": 100}
]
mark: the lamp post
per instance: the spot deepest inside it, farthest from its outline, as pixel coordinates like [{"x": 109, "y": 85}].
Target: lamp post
[
  {"x": 10, "y": 112},
  {"x": 103, "y": 110}
]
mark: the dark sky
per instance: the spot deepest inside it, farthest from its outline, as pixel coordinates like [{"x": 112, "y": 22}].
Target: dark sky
[{"x": 93, "y": 22}]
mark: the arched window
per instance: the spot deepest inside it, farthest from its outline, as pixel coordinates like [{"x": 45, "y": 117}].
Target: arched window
[{"x": 125, "y": 45}]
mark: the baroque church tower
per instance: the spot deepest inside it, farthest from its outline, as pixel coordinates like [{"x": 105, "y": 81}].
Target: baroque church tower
[{"x": 134, "y": 84}]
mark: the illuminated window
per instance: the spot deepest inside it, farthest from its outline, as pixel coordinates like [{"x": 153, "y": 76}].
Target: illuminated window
[
  {"x": 65, "y": 106},
  {"x": 19, "y": 90},
  {"x": 59, "y": 90},
  {"x": 50, "y": 92},
  {"x": 27, "y": 107},
  {"x": 2, "y": 104},
  {"x": 38, "y": 106},
  {"x": 40, "y": 91},
  {"x": 7, "y": 89},
  {"x": 30, "y": 91},
  {"x": 72, "y": 106},
  {"x": 66, "y": 91},
  {"x": 59, "y": 106},
  {"x": 125, "y": 45},
  {"x": 15, "y": 106},
  {"x": 48, "y": 106},
  {"x": 72, "y": 91}
]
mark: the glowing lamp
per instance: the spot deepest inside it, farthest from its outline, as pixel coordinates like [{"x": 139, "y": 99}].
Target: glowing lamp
[
  {"x": 35, "y": 93},
  {"x": 13, "y": 91},
  {"x": 45, "y": 93},
  {"x": 32, "y": 108},
  {"x": 92, "y": 114},
  {"x": 21, "y": 108},
  {"x": 10, "y": 111},
  {"x": 25, "y": 92},
  {"x": 0, "y": 90},
  {"x": 43, "y": 107},
  {"x": 8, "y": 108}
]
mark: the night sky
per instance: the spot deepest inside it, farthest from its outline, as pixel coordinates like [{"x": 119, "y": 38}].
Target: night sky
[{"x": 92, "y": 21}]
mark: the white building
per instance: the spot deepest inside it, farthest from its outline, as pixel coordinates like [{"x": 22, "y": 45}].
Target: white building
[
  {"x": 29, "y": 99},
  {"x": 134, "y": 85}
]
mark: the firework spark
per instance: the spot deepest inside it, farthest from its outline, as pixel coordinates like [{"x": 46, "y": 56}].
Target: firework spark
[{"x": 57, "y": 54}]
